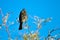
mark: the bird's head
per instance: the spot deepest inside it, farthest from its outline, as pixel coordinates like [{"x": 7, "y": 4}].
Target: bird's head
[{"x": 23, "y": 10}]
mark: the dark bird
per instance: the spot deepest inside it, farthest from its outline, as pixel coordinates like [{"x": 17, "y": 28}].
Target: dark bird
[{"x": 22, "y": 18}]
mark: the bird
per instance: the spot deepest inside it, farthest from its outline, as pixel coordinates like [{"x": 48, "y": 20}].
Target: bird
[{"x": 22, "y": 18}]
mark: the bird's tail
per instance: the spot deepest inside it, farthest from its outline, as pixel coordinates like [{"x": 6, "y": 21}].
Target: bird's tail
[{"x": 20, "y": 26}]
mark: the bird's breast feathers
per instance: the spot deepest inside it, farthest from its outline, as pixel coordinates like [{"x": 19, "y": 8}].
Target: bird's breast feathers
[{"x": 24, "y": 18}]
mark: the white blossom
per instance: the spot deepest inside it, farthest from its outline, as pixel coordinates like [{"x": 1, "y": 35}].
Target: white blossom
[
  {"x": 5, "y": 18},
  {"x": 17, "y": 20},
  {"x": 0, "y": 27},
  {"x": 10, "y": 38},
  {"x": 35, "y": 18}
]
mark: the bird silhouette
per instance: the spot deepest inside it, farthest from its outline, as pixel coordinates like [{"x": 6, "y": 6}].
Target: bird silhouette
[{"x": 22, "y": 18}]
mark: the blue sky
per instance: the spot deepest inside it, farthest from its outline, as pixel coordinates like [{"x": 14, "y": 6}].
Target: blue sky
[{"x": 40, "y": 8}]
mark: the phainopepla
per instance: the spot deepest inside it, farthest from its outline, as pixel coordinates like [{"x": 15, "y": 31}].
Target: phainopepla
[{"x": 22, "y": 18}]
